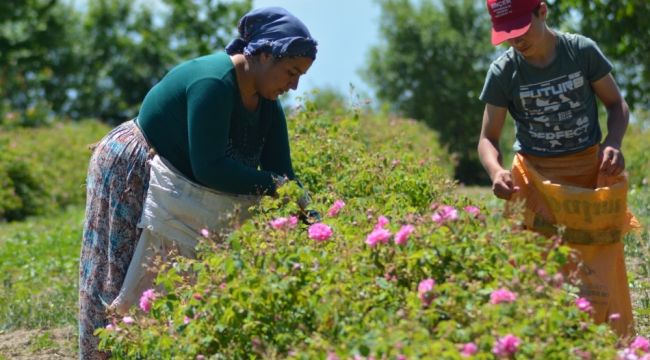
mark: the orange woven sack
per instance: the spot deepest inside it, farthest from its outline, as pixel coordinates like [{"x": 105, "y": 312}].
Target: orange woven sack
[
  {"x": 568, "y": 193},
  {"x": 589, "y": 216}
]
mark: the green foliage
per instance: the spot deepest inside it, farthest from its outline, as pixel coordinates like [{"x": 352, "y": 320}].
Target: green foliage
[
  {"x": 39, "y": 267},
  {"x": 21, "y": 193},
  {"x": 619, "y": 28},
  {"x": 131, "y": 49},
  {"x": 99, "y": 63},
  {"x": 276, "y": 293},
  {"x": 36, "y": 58},
  {"x": 637, "y": 246},
  {"x": 370, "y": 143},
  {"x": 44, "y": 169},
  {"x": 327, "y": 99},
  {"x": 431, "y": 66},
  {"x": 637, "y": 251},
  {"x": 43, "y": 341},
  {"x": 637, "y": 150}
]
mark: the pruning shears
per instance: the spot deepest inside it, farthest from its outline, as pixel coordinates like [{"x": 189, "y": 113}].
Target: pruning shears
[{"x": 309, "y": 217}]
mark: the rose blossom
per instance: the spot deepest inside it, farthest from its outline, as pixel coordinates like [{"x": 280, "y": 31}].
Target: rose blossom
[
  {"x": 382, "y": 221},
  {"x": 506, "y": 345},
  {"x": 148, "y": 296},
  {"x": 319, "y": 232},
  {"x": 403, "y": 234},
  {"x": 335, "y": 208},
  {"x": 284, "y": 222},
  {"x": 641, "y": 343},
  {"x": 502, "y": 295},
  {"x": 583, "y": 304},
  {"x": 472, "y": 210},
  {"x": 468, "y": 349},
  {"x": 378, "y": 235},
  {"x": 425, "y": 291},
  {"x": 444, "y": 214}
]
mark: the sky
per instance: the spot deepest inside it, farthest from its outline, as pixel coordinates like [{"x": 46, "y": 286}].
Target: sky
[{"x": 345, "y": 31}]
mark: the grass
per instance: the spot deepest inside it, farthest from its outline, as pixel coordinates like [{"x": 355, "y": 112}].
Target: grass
[
  {"x": 637, "y": 251},
  {"x": 39, "y": 270},
  {"x": 43, "y": 341}
]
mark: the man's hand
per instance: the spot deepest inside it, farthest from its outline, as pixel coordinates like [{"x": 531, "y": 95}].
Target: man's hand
[
  {"x": 502, "y": 185},
  {"x": 610, "y": 159}
]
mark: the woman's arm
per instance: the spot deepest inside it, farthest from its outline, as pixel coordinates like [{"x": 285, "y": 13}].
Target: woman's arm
[
  {"x": 276, "y": 155},
  {"x": 209, "y": 109}
]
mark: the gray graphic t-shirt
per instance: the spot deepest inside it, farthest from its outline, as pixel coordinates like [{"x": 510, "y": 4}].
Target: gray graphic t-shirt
[{"x": 554, "y": 107}]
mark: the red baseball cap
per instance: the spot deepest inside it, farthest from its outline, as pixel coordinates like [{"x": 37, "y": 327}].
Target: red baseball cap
[{"x": 510, "y": 18}]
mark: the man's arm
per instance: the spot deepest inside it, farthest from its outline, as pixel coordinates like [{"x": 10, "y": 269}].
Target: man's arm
[
  {"x": 490, "y": 153},
  {"x": 612, "y": 161}
]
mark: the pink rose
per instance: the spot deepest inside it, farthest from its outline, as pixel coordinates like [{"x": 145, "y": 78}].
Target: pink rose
[
  {"x": 583, "y": 304},
  {"x": 146, "y": 300},
  {"x": 335, "y": 208},
  {"x": 468, "y": 349},
  {"x": 378, "y": 235},
  {"x": 502, "y": 295},
  {"x": 279, "y": 223},
  {"x": 445, "y": 214},
  {"x": 472, "y": 210},
  {"x": 542, "y": 274},
  {"x": 319, "y": 232},
  {"x": 425, "y": 291},
  {"x": 332, "y": 356},
  {"x": 382, "y": 221},
  {"x": 283, "y": 222},
  {"x": 506, "y": 345},
  {"x": 640, "y": 343},
  {"x": 403, "y": 234}
]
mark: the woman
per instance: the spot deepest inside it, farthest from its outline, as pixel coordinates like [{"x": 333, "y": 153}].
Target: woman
[{"x": 217, "y": 121}]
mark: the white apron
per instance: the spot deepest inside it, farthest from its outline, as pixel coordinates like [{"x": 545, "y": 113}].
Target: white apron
[{"x": 174, "y": 213}]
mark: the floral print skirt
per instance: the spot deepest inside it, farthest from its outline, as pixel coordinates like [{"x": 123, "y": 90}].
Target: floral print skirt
[{"x": 117, "y": 182}]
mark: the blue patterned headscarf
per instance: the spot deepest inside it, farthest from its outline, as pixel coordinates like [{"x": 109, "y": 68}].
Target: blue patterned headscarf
[{"x": 273, "y": 30}]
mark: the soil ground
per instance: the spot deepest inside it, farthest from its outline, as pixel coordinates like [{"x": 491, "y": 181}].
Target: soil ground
[{"x": 38, "y": 344}]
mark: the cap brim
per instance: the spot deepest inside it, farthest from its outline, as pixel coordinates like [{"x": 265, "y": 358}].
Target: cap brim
[{"x": 510, "y": 30}]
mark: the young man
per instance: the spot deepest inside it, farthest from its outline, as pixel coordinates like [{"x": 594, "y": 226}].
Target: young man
[{"x": 549, "y": 81}]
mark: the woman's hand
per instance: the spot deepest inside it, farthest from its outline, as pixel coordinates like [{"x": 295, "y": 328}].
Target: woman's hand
[
  {"x": 279, "y": 180},
  {"x": 309, "y": 217}
]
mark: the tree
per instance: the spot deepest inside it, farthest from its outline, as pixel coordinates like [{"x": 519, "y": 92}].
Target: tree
[
  {"x": 431, "y": 67},
  {"x": 101, "y": 63},
  {"x": 620, "y": 29},
  {"x": 36, "y": 56},
  {"x": 131, "y": 49}
]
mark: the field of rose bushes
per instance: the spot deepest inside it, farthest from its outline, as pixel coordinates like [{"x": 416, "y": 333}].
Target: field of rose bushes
[
  {"x": 405, "y": 264},
  {"x": 400, "y": 267}
]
